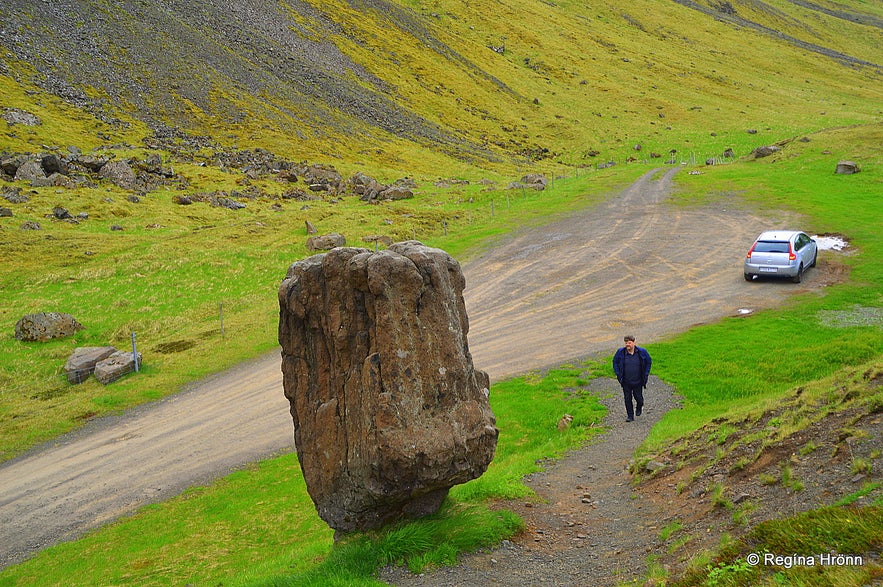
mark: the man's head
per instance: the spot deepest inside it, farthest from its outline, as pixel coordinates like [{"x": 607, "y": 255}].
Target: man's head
[{"x": 629, "y": 342}]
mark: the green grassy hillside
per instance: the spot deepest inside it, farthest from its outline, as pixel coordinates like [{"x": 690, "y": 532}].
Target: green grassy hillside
[{"x": 421, "y": 86}]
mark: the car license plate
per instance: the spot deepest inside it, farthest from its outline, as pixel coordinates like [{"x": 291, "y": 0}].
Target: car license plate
[{"x": 767, "y": 269}]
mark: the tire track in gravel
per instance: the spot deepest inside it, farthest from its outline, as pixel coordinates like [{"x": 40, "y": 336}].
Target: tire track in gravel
[{"x": 542, "y": 297}]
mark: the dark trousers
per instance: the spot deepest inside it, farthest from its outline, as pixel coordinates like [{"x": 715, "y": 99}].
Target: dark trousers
[{"x": 629, "y": 391}]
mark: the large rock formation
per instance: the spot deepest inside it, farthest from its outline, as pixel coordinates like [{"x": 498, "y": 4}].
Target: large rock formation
[
  {"x": 44, "y": 326},
  {"x": 389, "y": 412}
]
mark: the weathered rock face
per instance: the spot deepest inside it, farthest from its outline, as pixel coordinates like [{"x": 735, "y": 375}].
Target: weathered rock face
[
  {"x": 44, "y": 326},
  {"x": 325, "y": 242},
  {"x": 119, "y": 172},
  {"x": 847, "y": 168},
  {"x": 115, "y": 366},
  {"x": 389, "y": 412},
  {"x": 81, "y": 363}
]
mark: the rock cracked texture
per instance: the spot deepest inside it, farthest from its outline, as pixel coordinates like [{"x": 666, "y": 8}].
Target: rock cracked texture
[{"x": 389, "y": 412}]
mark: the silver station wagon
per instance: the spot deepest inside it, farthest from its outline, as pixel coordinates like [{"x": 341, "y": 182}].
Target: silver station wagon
[{"x": 781, "y": 253}]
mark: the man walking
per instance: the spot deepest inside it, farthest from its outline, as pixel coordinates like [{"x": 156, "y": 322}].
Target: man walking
[{"x": 631, "y": 364}]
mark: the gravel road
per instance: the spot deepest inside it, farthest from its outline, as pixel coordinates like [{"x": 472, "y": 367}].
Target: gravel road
[{"x": 635, "y": 264}]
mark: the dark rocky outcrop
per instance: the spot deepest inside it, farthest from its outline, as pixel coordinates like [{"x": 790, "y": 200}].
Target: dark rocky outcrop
[
  {"x": 388, "y": 410},
  {"x": 44, "y": 326}
]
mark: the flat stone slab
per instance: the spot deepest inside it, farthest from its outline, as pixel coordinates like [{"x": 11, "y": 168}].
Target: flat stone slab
[{"x": 81, "y": 364}]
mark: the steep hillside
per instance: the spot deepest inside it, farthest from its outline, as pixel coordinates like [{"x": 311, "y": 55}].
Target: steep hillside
[{"x": 412, "y": 85}]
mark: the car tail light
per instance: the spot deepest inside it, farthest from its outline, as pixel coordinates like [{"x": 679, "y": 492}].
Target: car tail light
[
  {"x": 751, "y": 250},
  {"x": 791, "y": 255}
]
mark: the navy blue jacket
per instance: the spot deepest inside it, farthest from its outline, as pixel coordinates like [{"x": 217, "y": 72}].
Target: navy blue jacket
[{"x": 643, "y": 355}]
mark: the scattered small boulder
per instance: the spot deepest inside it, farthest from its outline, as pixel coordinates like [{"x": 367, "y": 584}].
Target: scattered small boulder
[
  {"x": 653, "y": 466},
  {"x": 535, "y": 181},
  {"x": 115, "y": 366},
  {"x": 326, "y": 242},
  {"x": 230, "y": 203},
  {"x": 92, "y": 162},
  {"x": 322, "y": 178},
  {"x": 396, "y": 192},
  {"x": 287, "y": 176},
  {"x": 847, "y": 168},
  {"x": 29, "y": 171},
  {"x": 43, "y": 326},
  {"x": 5, "y": 212},
  {"x": 61, "y": 213},
  {"x": 765, "y": 151},
  {"x": 381, "y": 239},
  {"x": 81, "y": 363},
  {"x": 15, "y": 196},
  {"x": 14, "y": 116},
  {"x": 119, "y": 172},
  {"x": 365, "y": 186},
  {"x": 56, "y": 179}
]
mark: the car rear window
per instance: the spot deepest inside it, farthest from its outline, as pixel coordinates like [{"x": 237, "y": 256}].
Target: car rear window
[{"x": 771, "y": 247}]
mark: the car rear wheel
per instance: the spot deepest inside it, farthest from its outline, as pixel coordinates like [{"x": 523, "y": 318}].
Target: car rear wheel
[
  {"x": 748, "y": 277},
  {"x": 799, "y": 276}
]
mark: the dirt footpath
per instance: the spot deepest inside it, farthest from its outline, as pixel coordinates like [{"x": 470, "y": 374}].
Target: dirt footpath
[
  {"x": 632, "y": 265},
  {"x": 587, "y": 526}
]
